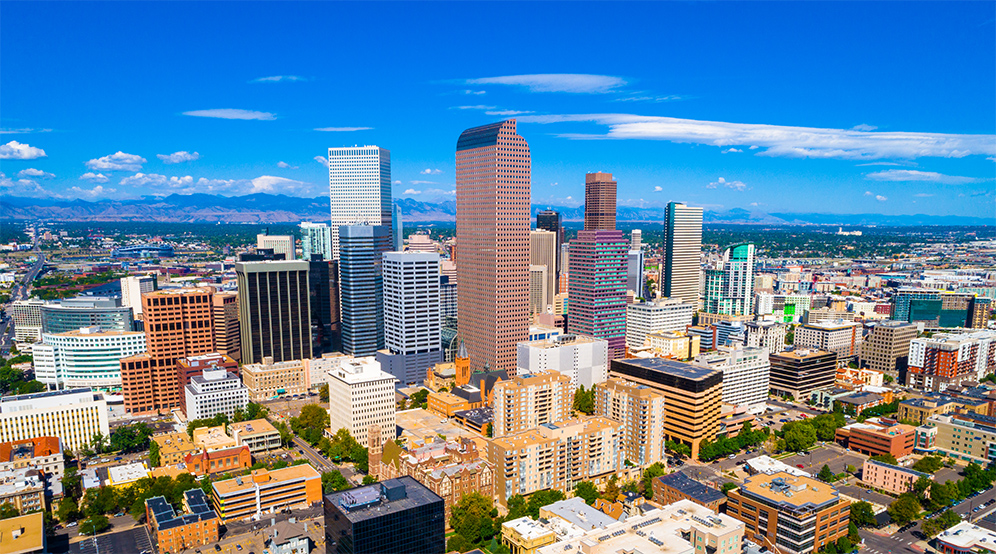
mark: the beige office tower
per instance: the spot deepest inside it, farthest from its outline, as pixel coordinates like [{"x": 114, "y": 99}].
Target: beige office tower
[
  {"x": 886, "y": 345},
  {"x": 636, "y": 239},
  {"x": 599, "y": 202},
  {"x": 682, "y": 252},
  {"x": 641, "y": 410},
  {"x": 281, "y": 244},
  {"x": 225, "y": 308},
  {"x": 132, "y": 289},
  {"x": 543, "y": 251},
  {"x": 538, "y": 292},
  {"x": 530, "y": 400}
]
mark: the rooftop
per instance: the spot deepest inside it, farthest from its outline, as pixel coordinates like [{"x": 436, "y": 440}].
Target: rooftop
[
  {"x": 670, "y": 367},
  {"x": 29, "y": 448},
  {"x": 912, "y": 472},
  {"x": 380, "y": 499},
  {"x": 126, "y": 473},
  {"x": 252, "y": 427},
  {"x": 691, "y": 488},
  {"x": 97, "y": 332},
  {"x": 528, "y": 528},
  {"x": 22, "y": 534},
  {"x": 166, "y": 518},
  {"x": 966, "y": 536},
  {"x": 264, "y": 478},
  {"x": 802, "y": 353},
  {"x": 170, "y": 443},
  {"x": 860, "y": 398},
  {"x": 576, "y": 512},
  {"x": 769, "y": 465},
  {"x": 562, "y": 340},
  {"x": 794, "y": 492}
]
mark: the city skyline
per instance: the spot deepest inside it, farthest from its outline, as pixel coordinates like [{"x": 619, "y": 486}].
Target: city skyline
[{"x": 887, "y": 122}]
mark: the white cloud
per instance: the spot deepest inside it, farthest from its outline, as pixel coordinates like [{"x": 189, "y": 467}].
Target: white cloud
[
  {"x": 178, "y": 157},
  {"x": 118, "y": 161},
  {"x": 923, "y": 195},
  {"x": 187, "y": 184},
  {"x": 14, "y": 150},
  {"x": 880, "y": 198},
  {"x": 477, "y": 107},
  {"x": 90, "y": 193},
  {"x": 668, "y": 98},
  {"x": 754, "y": 147},
  {"x": 658, "y": 189},
  {"x": 271, "y": 184},
  {"x": 878, "y": 163},
  {"x": 439, "y": 192},
  {"x": 285, "y": 165},
  {"x": 22, "y": 131},
  {"x": 556, "y": 82},
  {"x": 412, "y": 191},
  {"x": 468, "y": 91},
  {"x": 229, "y": 113},
  {"x": 95, "y": 177},
  {"x": 864, "y": 127},
  {"x": 428, "y": 171},
  {"x": 756, "y": 204},
  {"x": 322, "y": 160},
  {"x": 153, "y": 179},
  {"x": 279, "y": 79},
  {"x": 554, "y": 184},
  {"x": 423, "y": 182},
  {"x": 732, "y": 150},
  {"x": 735, "y": 185},
  {"x": 906, "y": 175},
  {"x": 779, "y": 140},
  {"x": 397, "y": 182},
  {"x": 342, "y": 129},
  {"x": 32, "y": 172},
  {"x": 21, "y": 187},
  {"x": 508, "y": 112},
  {"x": 868, "y": 193}
]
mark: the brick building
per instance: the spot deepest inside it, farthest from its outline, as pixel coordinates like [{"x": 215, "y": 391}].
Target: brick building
[
  {"x": 219, "y": 461},
  {"x": 197, "y": 526}
]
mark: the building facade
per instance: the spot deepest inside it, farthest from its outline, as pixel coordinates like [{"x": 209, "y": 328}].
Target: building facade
[
  {"x": 891, "y": 478},
  {"x": 641, "y": 410},
  {"x": 266, "y": 492},
  {"x": 271, "y": 379},
  {"x": 215, "y": 392},
  {"x": 584, "y": 360},
  {"x": 274, "y": 310},
  {"x": 87, "y": 357},
  {"x": 839, "y": 336},
  {"x": 196, "y": 526},
  {"x": 597, "y": 288},
  {"x": 746, "y": 375},
  {"x": 361, "y": 287},
  {"x": 359, "y": 189},
  {"x": 945, "y": 359},
  {"x": 797, "y": 373},
  {"x": 599, "y": 202},
  {"x": 769, "y": 335},
  {"x": 650, "y": 317},
  {"x": 228, "y": 338},
  {"x": 73, "y": 415},
  {"x": 132, "y": 289},
  {"x": 361, "y": 395},
  {"x": 543, "y": 247},
  {"x": 682, "y": 252},
  {"x": 280, "y": 244},
  {"x": 529, "y": 400},
  {"x": 412, "y": 323},
  {"x": 316, "y": 238},
  {"x": 729, "y": 288}
]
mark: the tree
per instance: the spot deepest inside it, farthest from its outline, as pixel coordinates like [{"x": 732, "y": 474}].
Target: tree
[
  {"x": 885, "y": 459},
  {"x": 799, "y": 437},
  {"x": 516, "y": 507},
  {"x": 587, "y": 491},
  {"x": 457, "y": 543},
  {"x": 929, "y": 464},
  {"x": 419, "y": 399},
  {"x": 862, "y": 514},
  {"x": 825, "y": 474},
  {"x": 369, "y": 479},
  {"x": 489, "y": 430},
  {"x": 154, "y": 453},
  {"x": 94, "y": 524},
  {"x": 471, "y": 517},
  {"x": 333, "y": 481},
  {"x": 314, "y": 416},
  {"x": 8, "y": 511},
  {"x": 542, "y": 498},
  {"x": 647, "y": 479},
  {"x": 844, "y": 544},
  {"x": 69, "y": 511},
  {"x": 98, "y": 443},
  {"x": 678, "y": 448},
  {"x": 323, "y": 393},
  {"x": 133, "y": 438},
  {"x": 888, "y": 379},
  {"x": 584, "y": 401},
  {"x": 727, "y": 487},
  {"x": 904, "y": 510},
  {"x": 852, "y": 533}
]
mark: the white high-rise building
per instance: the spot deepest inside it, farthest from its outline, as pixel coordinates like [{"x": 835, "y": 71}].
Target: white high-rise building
[
  {"x": 87, "y": 357},
  {"x": 634, "y": 273},
  {"x": 359, "y": 189},
  {"x": 132, "y": 289},
  {"x": 281, "y": 244},
  {"x": 636, "y": 239},
  {"x": 27, "y": 319},
  {"x": 316, "y": 238},
  {"x": 769, "y": 335},
  {"x": 361, "y": 395},
  {"x": 746, "y": 373},
  {"x": 842, "y": 337},
  {"x": 584, "y": 359},
  {"x": 412, "y": 325},
  {"x": 649, "y": 317},
  {"x": 73, "y": 415},
  {"x": 215, "y": 392},
  {"x": 682, "y": 252}
]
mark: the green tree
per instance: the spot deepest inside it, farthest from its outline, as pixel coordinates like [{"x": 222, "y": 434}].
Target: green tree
[
  {"x": 471, "y": 517},
  {"x": 516, "y": 507},
  {"x": 647, "y": 479},
  {"x": 929, "y": 464},
  {"x": 904, "y": 510},
  {"x": 542, "y": 498},
  {"x": 799, "y": 437},
  {"x": 862, "y": 514},
  {"x": 727, "y": 487},
  {"x": 323, "y": 393},
  {"x": 7, "y": 510},
  {"x": 457, "y": 543},
  {"x": 584, "y": 401},
  {"x": 94, "y": 524},
  {"x": 333, "y": 481},
  {"x": 68, "y": 511},
  {"x": 678, "y": 448},
  {"x": 844, "y": 544},
  {"x": 98, "y": 443},
  {"x": 369, "y": 479},
  {"x": 825, "y": 474},
  {"x": 587, "y": 491},
  {"x": 419, "y": 399},
  {"x": 71, "y": 482},
  {"x": 885, "y": 459},
  {"x": 852, "y": 533},
  {"x": 154, "y": 453}
]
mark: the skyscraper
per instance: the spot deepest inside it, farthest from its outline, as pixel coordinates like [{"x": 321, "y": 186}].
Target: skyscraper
[
  {"x": 316, "y": 238},
  {"x": 729, "y": 288},
  {"x": 543, "y": 251},
  {"x": 399, "y": 231},
  {"x": 412, "y": 323},
  {"x": 634, "y": 273},
  {"x": 682, "y": 252},
  {"x": 132, "y": 289},
  {"x": 274, "y": 310},
  {"x": 359, "y": 189},
  {"x": 280, "y": 244},
  {"x": 599, "y": 202},
  {"x": 597, "y": 288},
  {"x": 492, "y": 235},
  {"x": 225, "y": 310},
  {"x": 549, "y": 220},
  {"x": 361, "y": 287},
  {"x": 324, "y": 310},
  {"x": 636, "y": 239}
]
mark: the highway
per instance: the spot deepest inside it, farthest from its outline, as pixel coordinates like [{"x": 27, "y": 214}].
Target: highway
[{"x": 19, "y": 292}]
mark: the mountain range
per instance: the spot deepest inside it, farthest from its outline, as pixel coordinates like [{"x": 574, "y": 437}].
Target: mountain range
[{"x": 270, "y": 208}]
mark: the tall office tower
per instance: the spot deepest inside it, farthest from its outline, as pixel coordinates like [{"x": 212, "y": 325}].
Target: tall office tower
[
  {"x": 361, "y": 287},
  {"x": 597, "y": 288},
  {"x": 280, "y": 244},
  {"x": 359, "y": 189},
  {"x": 538, "y": 292},
  {"x": 225, "y": 310},
  {"x": 398, "y": 244},
  {"x": 549, "y": 220},
  {"x": 316, "y": 238},
  {"x": 178, "y": 323},
  {"x": 274, "y": 310},
  {"x": 530, "y": 400},
  {"x": 634, "y": 273},
  {"x": 730, "y": 287},
  {"x": 323, "y": 318},
  {"x": 564, "y": 260},
  {"x": 682, "y": 252},
  {"x": 636, "y": 239},
  {"x": 447, "y": 297},
  {"x": 132, "y": 289},
  {"x": 887, "y": 347},
  {"x": 543, "y": 251},
  {"x": 599, "y": 202},
  {"x": 641, "y": 409},
  {"x": 412, "y": 323},
  {"x": 27, "y": 319},
  {"x": 492, "y": 231}
]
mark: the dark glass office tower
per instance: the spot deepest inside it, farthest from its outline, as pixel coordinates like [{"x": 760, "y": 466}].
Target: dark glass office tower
[
  {"x": 549, "y": 220},
  {"x": 399, "y": 516},
  {"x": 361, "y": 287},
  {"x": 324, "y": 310},
  {"x": 274, "y": 310}
]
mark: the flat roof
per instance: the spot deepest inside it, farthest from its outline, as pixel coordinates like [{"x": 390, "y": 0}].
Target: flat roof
[
  {"x": 576, "y": 512},
  {"x": 528, "y": 528},
  {"x": 692, "y": 488},
  {"x": 794, "y": 491},
  {"x": 380, "y": 499},
  {"x": 767, "y": 464},
  {"x": 671, "y": 367},
  {"x": 252, "y": 427},
  {"x": 966, "y": 536},
  {"x": 30, "y": 529},
  {"x": 264, "y": 478},
  {"x": 127, "y": 473}
]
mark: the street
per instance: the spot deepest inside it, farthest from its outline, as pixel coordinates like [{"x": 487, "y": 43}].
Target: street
[
  {"x": 321, "y": 463},
  {"x": 19, "y": 292}
]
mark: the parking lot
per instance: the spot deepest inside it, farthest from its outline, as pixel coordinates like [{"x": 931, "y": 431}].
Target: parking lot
[
  {"x": 130, "y": 541},
  {"x": 831, "y": 455},
  {"x": 860, "y": 493},
  {"x": 946, "y": 474},
  {"x": 291, "y": 407}
]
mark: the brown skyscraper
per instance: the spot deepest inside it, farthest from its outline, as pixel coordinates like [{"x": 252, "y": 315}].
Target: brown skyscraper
[
  {"x": 492, "y": 233},
  {"x": 599, "y": 202},
  {"x": 226, "y": 324},
  {"x": 178, "y": 323}
]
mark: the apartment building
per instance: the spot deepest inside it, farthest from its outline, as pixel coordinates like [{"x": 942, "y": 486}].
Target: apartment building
[
  {"x": 966, "y": 436},
  {"x": 887, "y": 346},
  {"x": 789, "y": 513},
  {"x": 24, "y": 489},
  {"x": 891, "y": 478},
  {"x": 73, "y": 415},
  {"x": 838, "y": 336},
  {"x": 258, "y": 434},
  {"x": 361, "y": 395},
  {"x": 529, "y": 400},
  {"x": 174, "y": 448},
  {"x": 197, "y": 525},
  {"x": 273, "y": 379},
  {"x": 769, "y": 335},
  {"x": 641, "y": 411},
  {"x": 41, "y": 453},
  {"x": 693, "y": 396},
  {"x": 919, "y": 410},
  {"x": 556, "y": 456},
  {"x": 945, "y": 359},
  {"x": 265, "y": 491},
  {"x": 650, "y": 317},
  {"x": 801, "y": 371},
  {"x": 746, "y": 374},
  {"x": 677, "y": 345},
  {"x": 585, "y": 360}
]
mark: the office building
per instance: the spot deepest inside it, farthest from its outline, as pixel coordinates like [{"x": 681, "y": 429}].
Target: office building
[
  {"x": 266, "y": 492},
  {"x": 599, "y": 202},
  {"x": 39, "y": 453},
  {"x": 361, "y": 287},
  {"x": 640, "y": 409},
  {"x": 543, "y": 248},
  {"x": 841, "y": 337},
  {"x": 797, "y": 373},
  {"x": 746, "y": 373},
  {"x": 27, "y": 320},
  {"x": 316, "y": 238},
  {"x": 677, "y": 345},
  {"x": 597, "y": 288},
  {"x": 447, "y": 298},
  {"x": 359, "y": 189},
  {"x": 886, "y": 348},
  {"x": 73, "y": 415},
  {"x": 280, "y": 244},
  {"x": 528, "y": 400},
  {"x": 878, "y": 437},
  {"x": 398, "y": 230},
  {"x": 964, "y": 436},
  {"x": 786, "y": 308},
  {"x": 215, "y": 392},
  {"x": 412, "y": 323},
  {"x": 132, "y": 289},
  {"x": 769, "y": 335},
  {"x": 492, "y": 233},
  {"x": 965, "y": 538},
  {"x": 71, "y": 314},
  {"x": 556, "y": 456},
  {"x": 935, "y": 308},
  {"x": 675, "y": 487},
  {"x": 361, "y": 395},
  {"x": 323, "y": 295},
  {"x": 790, "y": 513},
  {"x": 274, "y": 310},
  {"x": 87, "y": 357},
  {"x": 259, "y": 435},
  {"x": 682, "y": 252},
  {"x": 729, "y": 288},
  {"x": 635, "y": 280},
  {"x": 24, "y": 534},
  {"x": 584, "y": 360},
  {"x": 820, "y": 315},
  {"x": 947, "y": 359},
  {"x": 178, "y": 323},
  {"x": 655, "y": 316},
  {"x": 693, "y": 396},
  {"x": 919, "y": 410},
  {"x": 549, "y": 220},
  {"x": 400, "y": 516},
  {"x": 537, "y": 289},
  {"x": 227, "y": 336},
  {"x": 188, "y": 367},
  {"x": 271, "y": 379},
  {"x": 197, "y": 525}
]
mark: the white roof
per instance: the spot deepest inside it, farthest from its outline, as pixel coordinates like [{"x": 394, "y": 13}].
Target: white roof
[
  {"x": 126, "y": 473},
  {"x": 965, "y": 536},
  {"x": 769, "y": 466}
]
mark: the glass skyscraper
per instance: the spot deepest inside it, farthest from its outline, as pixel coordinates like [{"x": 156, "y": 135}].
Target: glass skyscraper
[{"x": 361, "y": 287}]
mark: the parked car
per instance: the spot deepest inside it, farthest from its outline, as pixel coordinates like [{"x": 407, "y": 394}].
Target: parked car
[
  {"x": 239, "y": 546},
  {"x": 730, "y": 457},
  {"x": 800, "y": 466},
  {"x": 217, "y": 547}
]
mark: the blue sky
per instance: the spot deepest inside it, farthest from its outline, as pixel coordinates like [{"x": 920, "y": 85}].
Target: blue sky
[{"x": 841, "y": 107}]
